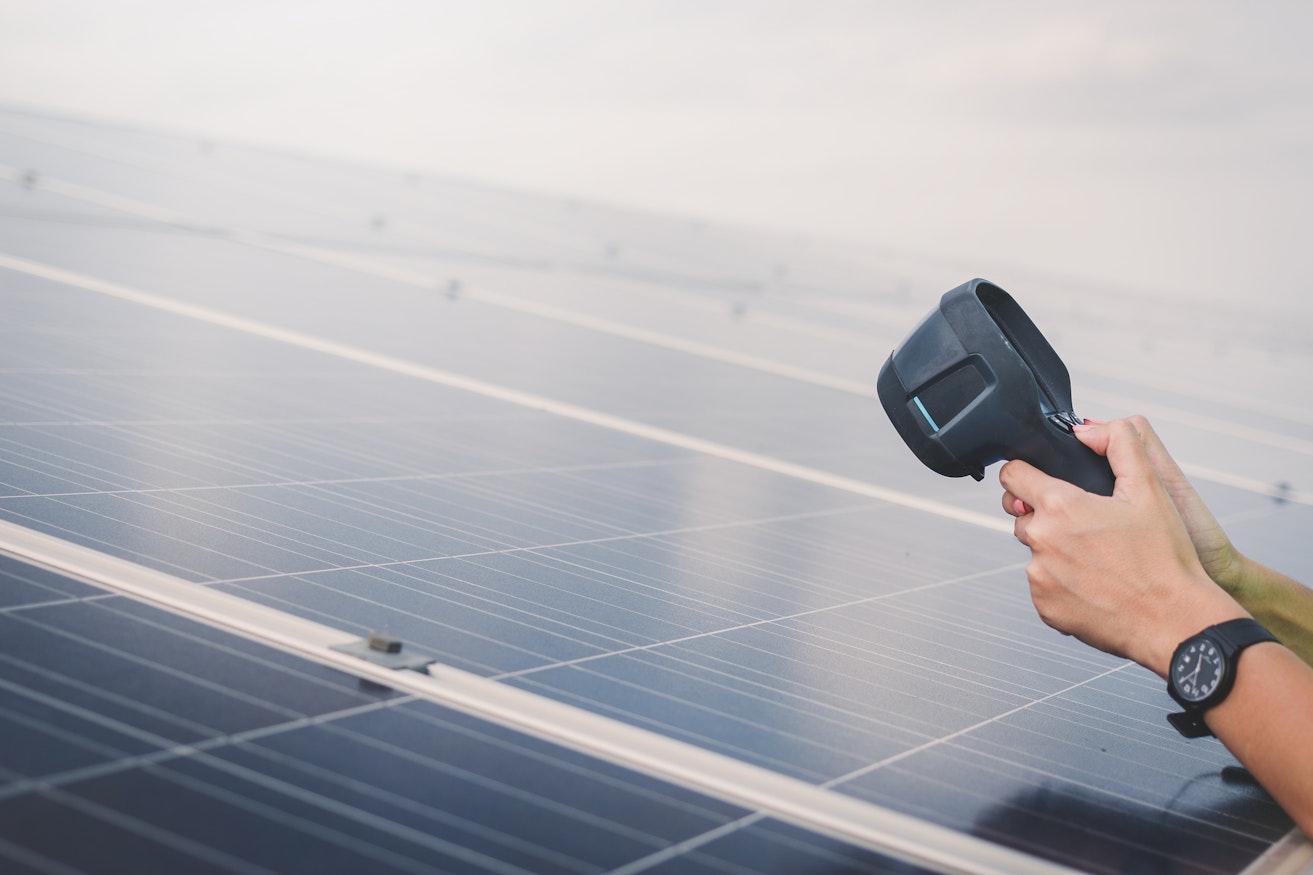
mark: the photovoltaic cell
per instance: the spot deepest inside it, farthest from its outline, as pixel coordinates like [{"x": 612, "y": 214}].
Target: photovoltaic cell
[
  {"x": 887, "y": 653},
  {"x": 156, "y": 740}
]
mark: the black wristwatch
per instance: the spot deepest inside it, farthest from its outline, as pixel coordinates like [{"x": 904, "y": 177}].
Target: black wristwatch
[{"x": 1203, "y": 671}]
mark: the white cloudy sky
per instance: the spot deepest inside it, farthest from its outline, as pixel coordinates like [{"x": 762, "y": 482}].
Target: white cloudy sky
[{"x": 1165, "y": 145}]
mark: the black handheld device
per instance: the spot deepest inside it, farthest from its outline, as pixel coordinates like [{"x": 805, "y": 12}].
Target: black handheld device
[{"x": 976, "y": 383}]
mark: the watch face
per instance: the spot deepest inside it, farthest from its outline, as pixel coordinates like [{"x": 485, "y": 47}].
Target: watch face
[{"x": 1197, "y": 670}]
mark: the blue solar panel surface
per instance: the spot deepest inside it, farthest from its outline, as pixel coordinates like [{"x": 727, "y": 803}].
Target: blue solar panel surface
[{"x": 580, "y": 451}]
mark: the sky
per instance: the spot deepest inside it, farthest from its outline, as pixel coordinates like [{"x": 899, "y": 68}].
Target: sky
[{"x": 1164, "y": 146}]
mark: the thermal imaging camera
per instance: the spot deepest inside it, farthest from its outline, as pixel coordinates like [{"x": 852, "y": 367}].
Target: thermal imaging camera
[{"x": 976, "y": 383}]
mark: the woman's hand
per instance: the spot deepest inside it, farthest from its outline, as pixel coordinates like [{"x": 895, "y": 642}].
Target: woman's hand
[
  {"x": 1126, "y": 574},
  {"x": 1219, "y": 558},
  {"x": 1121, "y": 573},
  {"x": 1217, "y": 555}
]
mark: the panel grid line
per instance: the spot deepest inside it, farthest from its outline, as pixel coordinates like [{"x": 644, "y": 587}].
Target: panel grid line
[
  {"x": 796, "y": 801},
  {"x": 630, "y": 332},
  {"x": 525, "y": 399}
]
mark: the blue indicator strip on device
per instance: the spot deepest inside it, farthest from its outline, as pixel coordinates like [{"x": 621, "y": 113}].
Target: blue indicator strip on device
[{"x": 926, "y": 413}]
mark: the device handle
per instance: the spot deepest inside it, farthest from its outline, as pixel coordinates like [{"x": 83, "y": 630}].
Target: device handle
[{"x": 1059, "y": 453}]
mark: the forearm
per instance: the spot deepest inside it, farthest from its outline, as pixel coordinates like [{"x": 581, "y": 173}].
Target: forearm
[
  {"x": 1265, "y": 722},
  {"x": 1283, "y": 605}
]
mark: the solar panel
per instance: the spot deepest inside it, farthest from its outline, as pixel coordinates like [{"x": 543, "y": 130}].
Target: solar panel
[
  {"x": 155, "y": 741},
  {"x": 626, "y": 464}
]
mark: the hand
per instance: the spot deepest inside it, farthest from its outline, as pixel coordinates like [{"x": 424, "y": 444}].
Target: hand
[
  {"x": 1214, "y": 549},
  {"x": 1220, "y": 560},
  {"x": 1281, "y": 604},
  {"x": 1120, "y": 573}
]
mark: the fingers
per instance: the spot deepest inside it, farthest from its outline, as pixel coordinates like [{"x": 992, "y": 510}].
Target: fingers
[
  {"x": 1015, "y": 506},
  {"x": 1162, "y": 460},
  {"x": 1023, "y": 482},
  {"x": 1023, "y": 512},
  {"x": 1096, "y": 433},
  {"x": 1019, "y": 529},
  {"x": 1129, "y": 444},
  {"x": 1123, "y": 443}
]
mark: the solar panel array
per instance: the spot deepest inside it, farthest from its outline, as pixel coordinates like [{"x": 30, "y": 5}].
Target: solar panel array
[{"x": 628, "y": 463}]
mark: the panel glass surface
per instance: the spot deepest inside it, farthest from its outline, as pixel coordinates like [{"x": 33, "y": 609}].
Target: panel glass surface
[
  {"x": 132, "y": 740},
  {"x": 456, "y": 445}
]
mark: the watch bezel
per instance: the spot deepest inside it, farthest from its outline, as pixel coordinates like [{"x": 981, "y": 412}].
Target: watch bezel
[{"x": 1225, "y": 677}]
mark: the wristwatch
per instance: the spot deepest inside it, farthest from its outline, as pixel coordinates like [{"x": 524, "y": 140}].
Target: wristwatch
[{"x": 1203, "y": 670}]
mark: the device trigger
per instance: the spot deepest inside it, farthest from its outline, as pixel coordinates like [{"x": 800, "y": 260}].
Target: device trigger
[{"x": 1066, "y": 420}]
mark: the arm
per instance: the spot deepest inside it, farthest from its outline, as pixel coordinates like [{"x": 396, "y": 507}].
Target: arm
[
  {"x": 1265, "y": 723},
  {"x": 1281, "y": 604},
  {"x": 1122, "y": 574}
]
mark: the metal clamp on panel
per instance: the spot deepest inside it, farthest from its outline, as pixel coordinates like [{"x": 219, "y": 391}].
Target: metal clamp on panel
[{"x": 385, "y": 650}]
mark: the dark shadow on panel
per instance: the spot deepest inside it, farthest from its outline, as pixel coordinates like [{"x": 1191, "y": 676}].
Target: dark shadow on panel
[{"x": 1189, "y": 835}]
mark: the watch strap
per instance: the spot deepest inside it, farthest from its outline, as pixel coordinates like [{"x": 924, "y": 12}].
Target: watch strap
[
  {"x": 1231, "y": 637},
  {"x": 1190, "y": 724},
  {"x": 1236, "y": 635}
]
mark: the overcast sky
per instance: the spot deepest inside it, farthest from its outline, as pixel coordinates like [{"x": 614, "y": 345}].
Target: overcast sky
[{"x": 1166, "y": 145}]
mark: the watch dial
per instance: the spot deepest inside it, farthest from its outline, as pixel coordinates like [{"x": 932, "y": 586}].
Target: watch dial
[{"x": 1197, "y": 670}]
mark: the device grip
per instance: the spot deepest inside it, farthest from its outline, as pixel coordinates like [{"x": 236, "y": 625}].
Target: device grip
[{"x": 1061, "y": 454}]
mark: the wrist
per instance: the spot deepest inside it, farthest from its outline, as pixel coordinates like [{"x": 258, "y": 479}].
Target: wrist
[
  {"x": 1204, "y": 670},
  {"x": 1231, "y": 570},
  {"x": 1201, "y": 604}
]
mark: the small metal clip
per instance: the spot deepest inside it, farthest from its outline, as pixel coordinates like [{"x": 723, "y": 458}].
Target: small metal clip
[{"x": 382, "y": 648}]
